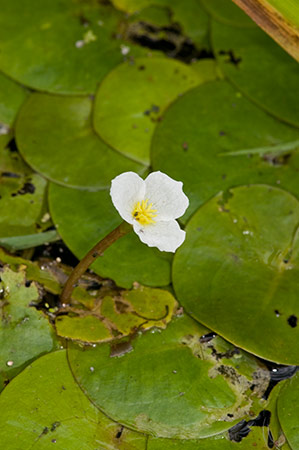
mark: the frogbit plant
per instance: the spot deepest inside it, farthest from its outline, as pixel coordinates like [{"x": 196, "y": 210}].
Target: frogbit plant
[{"x": 150, "y": 207}]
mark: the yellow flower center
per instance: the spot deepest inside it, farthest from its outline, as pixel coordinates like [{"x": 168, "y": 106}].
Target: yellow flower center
[{"x": 144, "y": 213}]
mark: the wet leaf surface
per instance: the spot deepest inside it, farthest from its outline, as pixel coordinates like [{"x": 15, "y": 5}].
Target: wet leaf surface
[
  {"x": 238, "y": 265},
  {"x": 21, "y": 196},
  {"x": 119, "y": 314},
  {"x": 25, "y": 333},
  {"x": 148, "y": 386},
  {"x": 83, "y": 218},
  {"x": 72, "y": 154},
  {"x": 227, "y": 13},
  {"x": 194, "y": 142},
  {"x": 273, "y": 83},
  {"x": 287, "y": 409},
  {"x": 40, "y": 51},
  {"x": 132, "y": 99},
  {"x": 53, "y": 410},
  {"x": 12, "y": 95}
]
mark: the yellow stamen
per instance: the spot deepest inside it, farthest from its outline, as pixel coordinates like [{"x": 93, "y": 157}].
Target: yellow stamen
[{"x": 144, "y": 213}]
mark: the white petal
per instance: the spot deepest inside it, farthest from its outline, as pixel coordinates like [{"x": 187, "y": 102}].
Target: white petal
[
  {"x": 126, "y": 190},
  {"x": 166, "y": 235},
  {"x": 166, "y": 195}
]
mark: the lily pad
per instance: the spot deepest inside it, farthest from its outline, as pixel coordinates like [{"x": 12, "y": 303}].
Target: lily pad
[
  {"x": 132, "y": 99},
  {"x": 40, "y": 51},
  {"x": 237, "y": 272},
  {"x": 288, "y": 411},
  {"x": 83, "y": 218},
  {"x": 272, "y": 83},
  {"x": 21, "y": 196},
  {"x": 261, "y": 433},
  {"x": 87, "y": 328},
  {"x": 198, "y": 142},
  {"x": 227, "y": 12},
  {"x": 12, "y": 95},
  {"x": 150, "y": 387},
  {"x": 55, "y": 136},
  {"x": 45, "y": 409},
  {"x": 25, "y": 333},
  {"x": 116, "y": 315}
]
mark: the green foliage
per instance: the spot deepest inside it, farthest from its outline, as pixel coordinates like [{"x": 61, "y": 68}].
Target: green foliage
[
  {"x": 156, "y": 352},
  {"x": 240, "y": 260}
]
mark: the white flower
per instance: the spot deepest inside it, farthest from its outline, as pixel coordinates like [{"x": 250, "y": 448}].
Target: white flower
[{"x": 151, "y": 206}]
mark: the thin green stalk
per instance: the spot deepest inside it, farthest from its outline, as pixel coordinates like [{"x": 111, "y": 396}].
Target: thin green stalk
[{"x": 90, "y": 257}]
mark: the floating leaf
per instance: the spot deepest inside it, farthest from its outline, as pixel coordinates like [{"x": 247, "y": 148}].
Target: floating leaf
[
  {"x": 87, "y": 328},
  {"x": 72, "y": 154},
  {"x": 228, "y": 13},
  {"x": 119, "y": 314},
  {"x": 260, "y": 433},
  {"x": 12, "y": 96},
  {"x": 25, "y": 333},
  {"x": 150, "y": 385},
  {"x": 211, "y": 121},
  {"x": 237, "y": 271},
  {"x": 40, "y": 51},
  {"x": 190, "y": 16},
  {"x": 21, "y": 196},
  {"x": 83, "y": 218},
  {"x": 44, "y": 406},
  {"x": 132, "y": 99},
  {"x": 272, "y": 83},
  {"x": 288, "y": 411}
]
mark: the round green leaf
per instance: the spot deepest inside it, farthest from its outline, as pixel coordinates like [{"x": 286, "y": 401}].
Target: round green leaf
[
  {"x": 25, "y": 333},
  {"x": 62, "y": 47},
  {"x": 237, "y": 271},
  {"x": 12, "y": 96},
  {"x": 258, "y": 437},
  {"x": 83, "y": 218},
  {"x": 150, "y": 387},
  {"x": 86, "y": 328},
  {"x": 189, "y": 15},
  {"x": 288, "y": 411},
  {"x": 55, "y": 136},
  {"x": 227, "y": 12},
  {"x": 21, "y": 196},
  {"x": 199, "y": 140},
  {"x": 260, "y": 68},
  {"x": 132, "y": 98},
  {"x": 45, "y": 409}
]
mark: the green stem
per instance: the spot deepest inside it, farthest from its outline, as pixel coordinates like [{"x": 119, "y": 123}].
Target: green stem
[{"x": 90, "y": 257}]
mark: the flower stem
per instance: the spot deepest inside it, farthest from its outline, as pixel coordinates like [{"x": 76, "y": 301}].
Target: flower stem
[{"x": 90, "y": 257}]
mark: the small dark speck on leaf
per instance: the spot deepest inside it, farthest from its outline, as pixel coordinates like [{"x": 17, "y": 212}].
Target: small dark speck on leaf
[
  {"x": 207, "y": 337},
  {"x": 223, "y": 176},
  {"x": 277, "y": 313},
  {"x": 119, "y": 433},
  {"x": 185, "y": 146},
  {"x": 28, "y": 283},
  {"x": 142, "y": 67},
  {"x": 222, "y": 133},
  {"x": 55, "y": 425},
  {"x": 28, "y": 188},
  {"x": 270, "y": 439},
  {"x": 10, "y": 175},
  {"x": 54, "y": 441},
  {"x": 199, "y": 228},
  {"x": 292, "y": 321}
]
